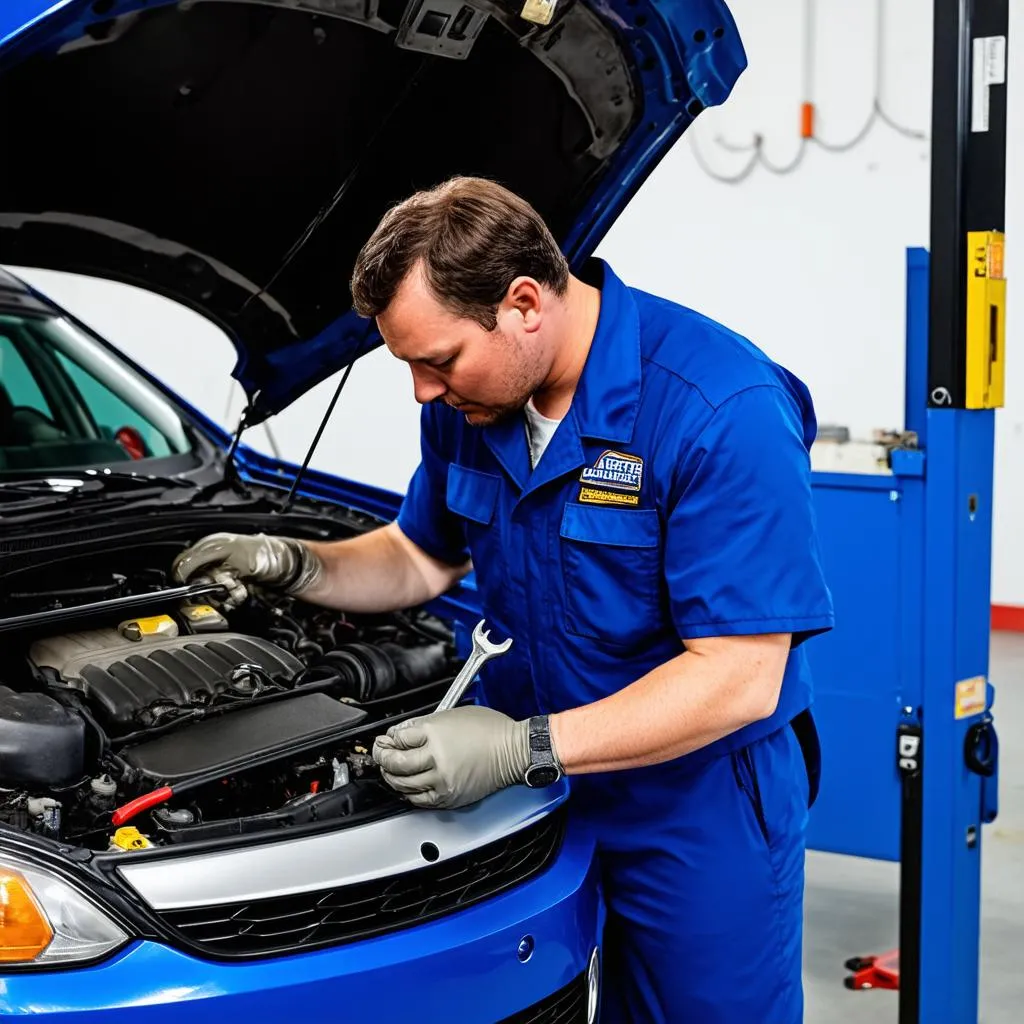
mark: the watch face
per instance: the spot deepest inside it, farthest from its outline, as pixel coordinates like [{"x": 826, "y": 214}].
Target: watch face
[{"x": 540, "y": 775}]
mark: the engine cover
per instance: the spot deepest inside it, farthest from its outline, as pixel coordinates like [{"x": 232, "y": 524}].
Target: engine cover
[
  {"x": 122, "y": 678},
  {"x": 220, "y": 743}
]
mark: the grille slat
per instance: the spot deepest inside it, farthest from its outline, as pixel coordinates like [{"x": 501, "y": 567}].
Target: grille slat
[
  {"x": 567, "y": 1006},
  {"x": 327, "y": 917}
]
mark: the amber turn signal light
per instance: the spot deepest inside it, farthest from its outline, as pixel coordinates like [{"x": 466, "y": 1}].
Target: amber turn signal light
[{"x": 24, "y": 930}]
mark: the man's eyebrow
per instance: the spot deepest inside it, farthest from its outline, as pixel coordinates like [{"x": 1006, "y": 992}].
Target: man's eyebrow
[{"x": 435, "y": 357}]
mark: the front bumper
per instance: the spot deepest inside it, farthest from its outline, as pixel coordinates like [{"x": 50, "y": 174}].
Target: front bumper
[{"x": 466, "y": 967}]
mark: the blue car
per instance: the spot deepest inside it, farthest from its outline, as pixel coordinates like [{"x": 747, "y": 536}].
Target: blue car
[{"x": 190, "y": 819}]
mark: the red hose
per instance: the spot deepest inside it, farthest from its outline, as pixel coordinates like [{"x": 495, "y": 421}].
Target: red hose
[{"x": 141, "y": 803}]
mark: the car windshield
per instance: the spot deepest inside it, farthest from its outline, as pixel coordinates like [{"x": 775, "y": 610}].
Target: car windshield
[{"x": 67, "y": 403}]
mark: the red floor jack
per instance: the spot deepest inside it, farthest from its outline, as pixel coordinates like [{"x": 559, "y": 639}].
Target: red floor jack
[{"x": 882, "y": 971}]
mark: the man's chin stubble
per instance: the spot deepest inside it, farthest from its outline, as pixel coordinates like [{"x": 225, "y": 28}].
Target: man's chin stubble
[{"x": 492, "y": 417}]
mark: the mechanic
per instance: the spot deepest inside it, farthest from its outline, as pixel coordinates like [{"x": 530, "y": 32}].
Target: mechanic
[{"x": 630, "y": 482}]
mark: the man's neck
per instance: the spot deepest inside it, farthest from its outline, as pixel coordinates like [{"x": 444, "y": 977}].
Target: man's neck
[{"x": 576, "y": 331}]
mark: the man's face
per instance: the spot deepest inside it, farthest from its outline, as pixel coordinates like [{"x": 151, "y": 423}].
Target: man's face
[{"x": 486, "y": 375}]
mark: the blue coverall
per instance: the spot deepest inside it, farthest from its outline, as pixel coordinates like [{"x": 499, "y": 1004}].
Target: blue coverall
[{"x": 672, "y": 502}]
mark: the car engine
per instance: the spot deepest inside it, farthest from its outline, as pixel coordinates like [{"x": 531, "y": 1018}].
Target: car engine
[{"x": 181, "y": 723}]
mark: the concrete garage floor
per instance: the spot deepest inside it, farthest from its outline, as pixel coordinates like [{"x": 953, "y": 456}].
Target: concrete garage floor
[{"x": 851, "y": 904}]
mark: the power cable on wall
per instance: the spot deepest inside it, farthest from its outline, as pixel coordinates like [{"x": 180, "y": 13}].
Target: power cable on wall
[{"x": 808, "y": 135}]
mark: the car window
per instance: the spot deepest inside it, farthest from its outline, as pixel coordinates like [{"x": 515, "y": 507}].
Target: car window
[
  {"x": 112, "y": 413},
  {"x": 18, "y": 381},
  {"x": 67, "y": 403}
]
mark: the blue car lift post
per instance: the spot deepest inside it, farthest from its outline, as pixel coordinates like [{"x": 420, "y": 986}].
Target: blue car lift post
[{"x": 904, "y": 700}]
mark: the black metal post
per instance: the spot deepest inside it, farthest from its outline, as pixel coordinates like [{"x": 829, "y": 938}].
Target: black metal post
[
  {"x": 910, "y": 763},
  {"x": 968, "y": 173}
]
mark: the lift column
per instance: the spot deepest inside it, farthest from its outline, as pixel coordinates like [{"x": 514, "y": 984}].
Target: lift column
[{"x": 950, "y": 782}]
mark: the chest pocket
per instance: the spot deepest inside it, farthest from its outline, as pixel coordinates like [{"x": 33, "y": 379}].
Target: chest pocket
[
  {"x": 473, "y": 496},
  {"x": 611, "y": 559}
]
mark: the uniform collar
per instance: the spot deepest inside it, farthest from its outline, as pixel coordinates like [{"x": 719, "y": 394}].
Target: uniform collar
[
  {"x": 608, "y": 393},
  {"x": 606, "y": 399}
]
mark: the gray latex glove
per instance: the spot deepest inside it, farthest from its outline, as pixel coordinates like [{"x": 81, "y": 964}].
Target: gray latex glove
[
  {"x": 454, "y": 757},
  {"x": 234, "y": 559}
]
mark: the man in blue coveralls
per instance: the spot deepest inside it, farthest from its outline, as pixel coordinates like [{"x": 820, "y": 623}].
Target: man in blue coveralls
[{"x": 630, "y": 482}]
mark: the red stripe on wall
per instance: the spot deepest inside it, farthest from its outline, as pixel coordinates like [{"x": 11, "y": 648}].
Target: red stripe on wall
[{"x": 1008, "y": 618}]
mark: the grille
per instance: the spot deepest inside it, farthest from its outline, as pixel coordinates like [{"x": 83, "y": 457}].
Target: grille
[
  {"x": 567, "y": 1006},
  {"x": 327, "y": 917}
]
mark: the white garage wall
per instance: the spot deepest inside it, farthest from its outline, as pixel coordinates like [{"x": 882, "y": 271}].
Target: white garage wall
[{"x": 809, "y": 264}]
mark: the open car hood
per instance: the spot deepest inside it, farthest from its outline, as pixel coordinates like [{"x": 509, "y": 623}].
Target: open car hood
[{"x": 234, "y": 155}]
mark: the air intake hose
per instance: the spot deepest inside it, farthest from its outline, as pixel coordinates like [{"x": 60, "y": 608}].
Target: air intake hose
[{"x": 369, "y": 673}]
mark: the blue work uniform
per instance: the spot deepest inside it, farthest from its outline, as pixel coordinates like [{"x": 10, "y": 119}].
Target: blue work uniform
[{"x": 673, "y": 502}]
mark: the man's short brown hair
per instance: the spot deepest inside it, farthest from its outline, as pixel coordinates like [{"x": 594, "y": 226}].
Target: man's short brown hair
[{"x": 474, "y": 238}]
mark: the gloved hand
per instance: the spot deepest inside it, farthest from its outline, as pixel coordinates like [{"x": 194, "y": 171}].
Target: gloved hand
[
  {"x": 454, "y": 757},
  {"x": 233, "y": 559}
]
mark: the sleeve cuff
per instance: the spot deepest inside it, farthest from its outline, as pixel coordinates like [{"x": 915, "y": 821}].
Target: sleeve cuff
[
  {"x": 429, "y": 544},
  {"x": 801, "y": 627}
]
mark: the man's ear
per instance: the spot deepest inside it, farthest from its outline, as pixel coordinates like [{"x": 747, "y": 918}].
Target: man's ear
[{"x": 525, "y": 298}]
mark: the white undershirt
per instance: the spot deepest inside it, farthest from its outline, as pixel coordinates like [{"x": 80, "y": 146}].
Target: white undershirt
[{"x": 539, "y": 431}]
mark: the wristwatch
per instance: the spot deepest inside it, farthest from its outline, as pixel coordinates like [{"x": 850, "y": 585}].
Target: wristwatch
[{"x": 544, "y": 769}]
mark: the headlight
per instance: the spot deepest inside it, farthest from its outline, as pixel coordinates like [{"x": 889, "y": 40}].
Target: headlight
[
  {"x": 593, "y": 986},
  {"x": 45, "y": 921}
]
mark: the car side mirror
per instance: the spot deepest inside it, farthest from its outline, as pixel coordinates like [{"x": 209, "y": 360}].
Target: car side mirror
[{"x": 131, "y": 441}]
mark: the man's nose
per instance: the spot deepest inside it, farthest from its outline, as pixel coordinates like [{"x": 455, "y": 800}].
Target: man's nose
[{"x": 426, "y": 387}]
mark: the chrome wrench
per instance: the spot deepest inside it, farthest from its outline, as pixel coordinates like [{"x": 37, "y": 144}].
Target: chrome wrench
[{"x": 483, "y": 650}]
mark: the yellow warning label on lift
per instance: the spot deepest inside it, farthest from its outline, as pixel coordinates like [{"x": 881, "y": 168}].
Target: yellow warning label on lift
[
  {"x": 986, "y": 320},
  {"x": 971, "y": 697}
]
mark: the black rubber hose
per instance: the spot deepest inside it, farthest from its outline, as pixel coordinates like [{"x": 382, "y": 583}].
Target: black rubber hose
[{"x": 416, "y": 665}]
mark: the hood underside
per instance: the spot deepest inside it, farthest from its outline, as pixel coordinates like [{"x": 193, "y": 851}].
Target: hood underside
[{"x": 235, "y": 155}]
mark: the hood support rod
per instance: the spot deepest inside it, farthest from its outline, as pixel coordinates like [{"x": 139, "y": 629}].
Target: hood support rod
[{"x": 316, "y": 440}]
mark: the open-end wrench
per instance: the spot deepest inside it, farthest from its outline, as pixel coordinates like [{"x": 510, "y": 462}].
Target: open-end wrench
[{"x": 483, "y": 650}]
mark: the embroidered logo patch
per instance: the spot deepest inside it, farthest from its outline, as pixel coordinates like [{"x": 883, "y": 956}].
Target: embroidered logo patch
[{"x": 616, "y": 470}]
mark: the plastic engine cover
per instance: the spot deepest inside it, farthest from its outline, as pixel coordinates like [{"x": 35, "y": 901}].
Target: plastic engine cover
[
  {"x": 229, "y": 740},
  {"x": 122, "y": 678}
]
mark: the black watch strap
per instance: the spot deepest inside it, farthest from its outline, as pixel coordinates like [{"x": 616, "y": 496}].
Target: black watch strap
[{"x": 544, "y": 767}]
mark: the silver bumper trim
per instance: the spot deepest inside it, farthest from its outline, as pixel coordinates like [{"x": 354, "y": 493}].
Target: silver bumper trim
[{"x": 344, "y": 857}]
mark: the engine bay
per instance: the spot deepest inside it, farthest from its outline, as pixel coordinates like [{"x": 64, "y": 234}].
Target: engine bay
[{"x": 185, "y": 723}]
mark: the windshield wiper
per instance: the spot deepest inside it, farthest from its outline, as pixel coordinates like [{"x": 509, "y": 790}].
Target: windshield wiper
[
  {"x": 113, "y": 481},
  {"x": 37, "y": 490}
]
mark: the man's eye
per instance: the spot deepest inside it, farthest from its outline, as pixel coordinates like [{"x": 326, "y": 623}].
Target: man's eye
[{"x": 444, "y": 362}]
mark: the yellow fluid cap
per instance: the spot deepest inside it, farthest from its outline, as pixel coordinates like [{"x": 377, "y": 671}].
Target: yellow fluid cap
[
  {"x": 130, "y": 838},
  {"x": 196, "y": 612},
  {"x": 540, "y": 12},
  {"x": 153, "y": 625}
]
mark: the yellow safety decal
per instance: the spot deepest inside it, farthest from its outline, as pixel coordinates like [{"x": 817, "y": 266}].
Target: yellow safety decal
[{"x": 986, "y": 320}]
